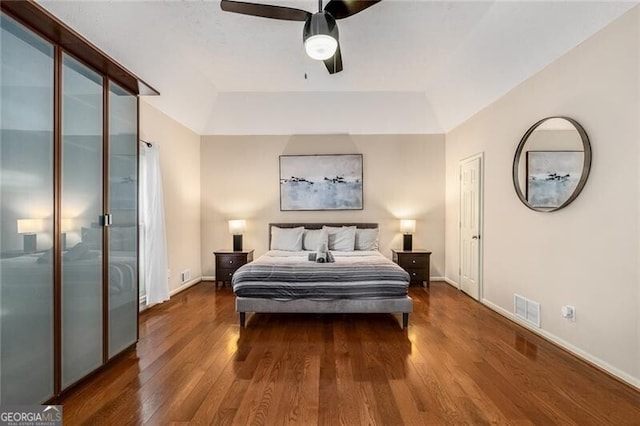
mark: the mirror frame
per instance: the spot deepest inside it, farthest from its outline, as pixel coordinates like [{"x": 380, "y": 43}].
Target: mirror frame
[{"x": 586, "y": 166}]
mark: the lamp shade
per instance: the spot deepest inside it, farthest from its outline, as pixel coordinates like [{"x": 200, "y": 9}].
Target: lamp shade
[
  {"x": 237, "y": 227},
  {"x": 408, "y": 226},
  {"x": 29, "y": 226},
  {"x": 67, "y": 225}
]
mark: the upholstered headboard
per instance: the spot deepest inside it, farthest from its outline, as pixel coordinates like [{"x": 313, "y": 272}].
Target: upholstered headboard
[{"x": 319, "y": 226}]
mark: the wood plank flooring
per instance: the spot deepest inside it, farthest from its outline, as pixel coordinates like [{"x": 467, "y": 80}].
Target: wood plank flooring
[{"x": 458, "y": 363}]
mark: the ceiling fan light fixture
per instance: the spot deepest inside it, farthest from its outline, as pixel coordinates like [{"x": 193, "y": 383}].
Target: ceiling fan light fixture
[
  {"x": 320, "y": 36},
  {"x": 320, "y": 47}
]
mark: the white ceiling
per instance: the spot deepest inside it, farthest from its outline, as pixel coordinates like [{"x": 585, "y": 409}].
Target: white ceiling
[{"x": 409, "y": 66}]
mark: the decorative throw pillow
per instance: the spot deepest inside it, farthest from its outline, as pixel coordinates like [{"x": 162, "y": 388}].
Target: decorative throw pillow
[
  {"x": 289, "y": 239},
  {"x": 313, "y": 238},
  {"x": 341, "y": 239},
  {"x": 367, "y": 239}
]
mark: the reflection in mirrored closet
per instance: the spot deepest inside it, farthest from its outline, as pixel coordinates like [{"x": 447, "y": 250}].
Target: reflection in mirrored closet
[{"x": 68, "y": 211}]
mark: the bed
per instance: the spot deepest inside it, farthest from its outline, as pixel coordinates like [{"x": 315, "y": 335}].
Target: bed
[{"x": 361, "y": 280}]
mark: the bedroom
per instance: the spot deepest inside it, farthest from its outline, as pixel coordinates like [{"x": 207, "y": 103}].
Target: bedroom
[{"x": 411, "y": 170}]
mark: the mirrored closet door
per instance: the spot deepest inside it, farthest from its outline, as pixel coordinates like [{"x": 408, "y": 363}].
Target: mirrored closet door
[
  {"x": 81, "y": 210},
  {"x": 123, "y": 202},
  {"x": 26, "y": 215},
  {"x": 68, "y": 208}
]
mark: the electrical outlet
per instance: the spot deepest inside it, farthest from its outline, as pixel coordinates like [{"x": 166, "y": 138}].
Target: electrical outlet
[
  {"x": 185, "y": 275},
  {"x": 569, "y": 312}
]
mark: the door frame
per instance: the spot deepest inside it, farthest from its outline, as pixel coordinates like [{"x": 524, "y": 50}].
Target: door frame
[{"x": 461, "y": 162}]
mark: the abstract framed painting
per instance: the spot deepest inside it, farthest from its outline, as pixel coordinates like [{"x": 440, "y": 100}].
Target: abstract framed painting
[
  {"x": 321, "y": 182},
  {"x": 552, "y": 176}
]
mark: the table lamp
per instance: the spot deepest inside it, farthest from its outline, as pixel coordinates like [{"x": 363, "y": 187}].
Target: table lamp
[
  {"x": 29, "y": 229},
  {"x": 237, "y": 227},
  {"x": 408, "y": 228}
]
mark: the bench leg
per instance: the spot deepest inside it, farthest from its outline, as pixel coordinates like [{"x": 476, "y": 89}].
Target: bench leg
[
  {"x": 243, "y": 316},
  {"x": 405, "y": 320}
]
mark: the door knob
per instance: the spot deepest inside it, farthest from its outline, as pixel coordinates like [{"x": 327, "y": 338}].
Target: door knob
[{"x": 475, "y": 237}]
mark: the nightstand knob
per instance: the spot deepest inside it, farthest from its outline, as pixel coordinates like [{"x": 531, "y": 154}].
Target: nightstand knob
[
  {"x": 231, "y": 261},
  {"x": 414, "y": 274},
  {"x": 414, "y": 261}
]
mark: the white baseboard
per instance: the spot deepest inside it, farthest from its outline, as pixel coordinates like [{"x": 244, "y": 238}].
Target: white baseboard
[
  {"x": 208, "y": 278},
  {"x": 436, "y": 278},
  {"x": 185, "y": 286},
  {"x": 143, "y": 305},
  {"x": 633, "y": 381},
  {"x": 451, "y": 283}
]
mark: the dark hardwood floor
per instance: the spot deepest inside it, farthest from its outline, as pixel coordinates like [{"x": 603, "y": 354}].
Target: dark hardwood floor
[{"x": 458, "y": 363}]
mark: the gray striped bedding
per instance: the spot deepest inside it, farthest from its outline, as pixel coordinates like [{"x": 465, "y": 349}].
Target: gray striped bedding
[{"x": 284, "y": 275}]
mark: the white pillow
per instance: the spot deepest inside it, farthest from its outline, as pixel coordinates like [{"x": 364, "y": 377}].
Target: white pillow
[
  {"x": 367, "y": 239},
  {"x": 341, "y": 239},
  {"x": 289, "y": 239},
  {"x": 313, "y": 238}
]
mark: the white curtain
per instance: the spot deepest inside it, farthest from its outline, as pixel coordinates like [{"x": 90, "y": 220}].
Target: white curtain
[{"x": 154, "y": 245}]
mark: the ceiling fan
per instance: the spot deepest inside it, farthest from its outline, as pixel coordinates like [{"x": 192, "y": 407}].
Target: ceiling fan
[{"x": 320, "y": 33}]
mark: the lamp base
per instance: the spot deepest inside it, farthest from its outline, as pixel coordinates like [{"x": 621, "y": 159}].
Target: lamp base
[
  {"x": 407, "y": 242},
  {"x": 237, "y": 243},
  {"x": 29, "y": 243}
]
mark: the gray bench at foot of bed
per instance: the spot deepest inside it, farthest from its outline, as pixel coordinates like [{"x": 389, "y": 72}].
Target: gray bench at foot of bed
[{"x": 403, "y": 305}]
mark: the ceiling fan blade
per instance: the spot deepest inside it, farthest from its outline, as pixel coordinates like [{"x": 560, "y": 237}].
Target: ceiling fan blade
[
  {"x": 340, "y": 9},
  {"x": 334, "y": 63},
  {"x": 265, "y": 10}
]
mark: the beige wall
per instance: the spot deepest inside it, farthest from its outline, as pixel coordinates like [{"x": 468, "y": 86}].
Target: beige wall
[
  {"x": 179, "y": 151},
  {"x": 403, "y": 178},
  {"x": 587, "y": 254}
]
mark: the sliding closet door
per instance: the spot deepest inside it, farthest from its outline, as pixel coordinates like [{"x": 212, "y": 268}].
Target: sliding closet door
[
  {"x": 81, "y": 207},
  {"x": 26, "y": 215},
  {"x": 123, "y": 208}
]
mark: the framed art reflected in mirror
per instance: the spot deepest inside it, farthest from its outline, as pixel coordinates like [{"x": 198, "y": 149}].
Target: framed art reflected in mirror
[
  {"x": 551, "y": 164},
  {"x": 552, "y": 176}
]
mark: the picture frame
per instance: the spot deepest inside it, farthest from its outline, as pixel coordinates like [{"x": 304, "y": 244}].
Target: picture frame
[
  {"x": 321, "y": 182},
  {"x": 552, "y": 177}
]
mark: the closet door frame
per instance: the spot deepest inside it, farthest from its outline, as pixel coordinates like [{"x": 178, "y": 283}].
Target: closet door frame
[
  {"x": 105, "y": 231},
  {"x": 57, "y": 221},
  {"x": 40, "y": 20},
  {"x": 57, "y": 212},
  {"x": 67, "y": 42}
]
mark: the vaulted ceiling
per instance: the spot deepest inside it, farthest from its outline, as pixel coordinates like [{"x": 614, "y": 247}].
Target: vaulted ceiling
[{"x": 409, "y": 66}]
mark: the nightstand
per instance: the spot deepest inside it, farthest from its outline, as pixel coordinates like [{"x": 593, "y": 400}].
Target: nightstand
[
  {"x": 416, "y": 263},
  {"x": 228, "y": 262}
]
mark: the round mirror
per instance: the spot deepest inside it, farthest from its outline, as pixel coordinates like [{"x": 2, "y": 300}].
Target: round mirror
[{"x": 551, "y": 164}]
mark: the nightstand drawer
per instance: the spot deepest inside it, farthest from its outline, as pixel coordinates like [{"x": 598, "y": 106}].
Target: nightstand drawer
[
  {"x": 417, "y": 275},
  {"x": 231, "y": 261},
  {"x": 407, "y": 261},
  {"x": 228, "y": 262},
  {"x": 416, "y": 263},
  {"x": 224, "y": 274}
]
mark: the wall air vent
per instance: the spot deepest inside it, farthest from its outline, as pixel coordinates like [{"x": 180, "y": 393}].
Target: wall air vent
[{"x": 526, "y": 309}]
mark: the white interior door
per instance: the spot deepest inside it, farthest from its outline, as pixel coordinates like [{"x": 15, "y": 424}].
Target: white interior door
[{"x": 470, "y": 225}]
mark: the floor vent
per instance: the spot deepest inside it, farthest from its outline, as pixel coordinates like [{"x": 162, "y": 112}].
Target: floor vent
[{"x": 526, "y": 309}]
